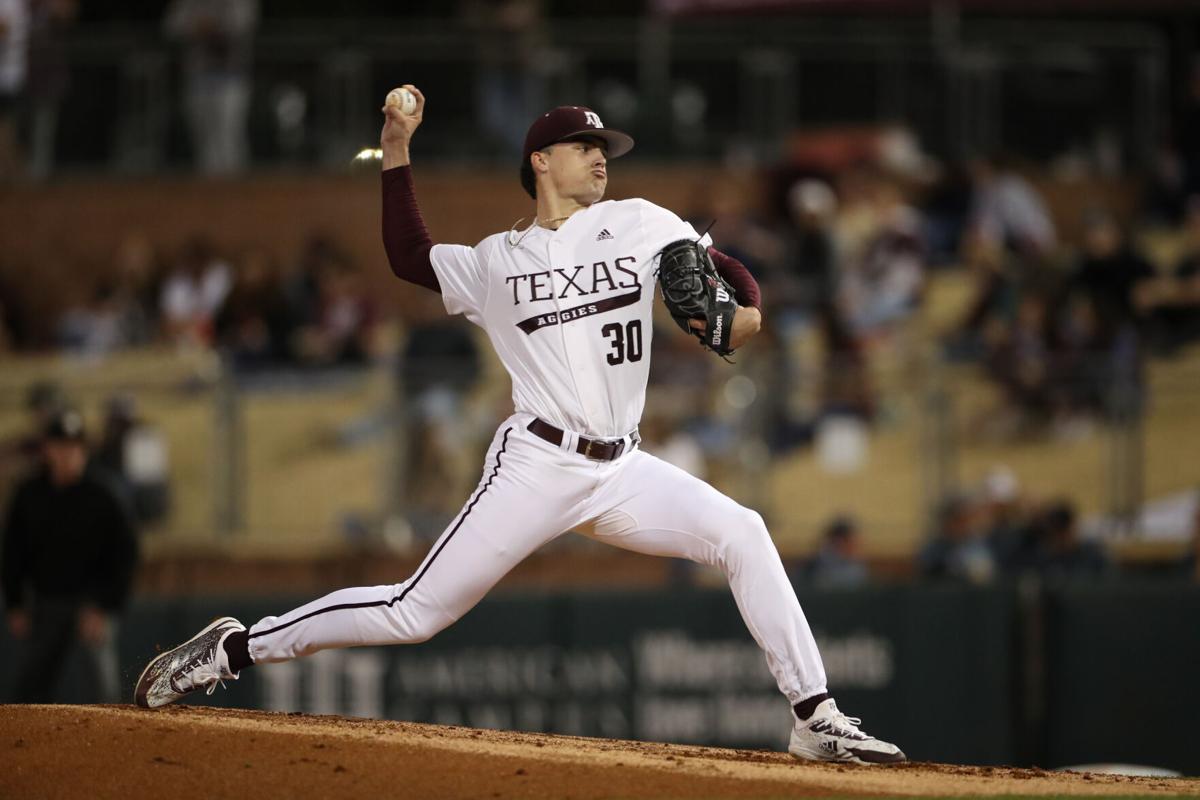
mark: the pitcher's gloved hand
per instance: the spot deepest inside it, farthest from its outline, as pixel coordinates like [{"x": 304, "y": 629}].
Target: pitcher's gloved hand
[{"x": 693, "y": 290}]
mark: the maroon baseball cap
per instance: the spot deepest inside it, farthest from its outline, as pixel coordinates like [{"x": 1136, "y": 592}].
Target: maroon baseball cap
[{"x": 571, "y": 122}]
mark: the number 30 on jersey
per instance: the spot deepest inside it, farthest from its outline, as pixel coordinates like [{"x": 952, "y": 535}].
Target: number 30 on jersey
[{"x": 626, "y": 341}]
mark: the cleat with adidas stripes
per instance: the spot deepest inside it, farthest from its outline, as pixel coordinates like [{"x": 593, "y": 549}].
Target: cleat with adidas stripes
[{"x": 829, "y": 735}]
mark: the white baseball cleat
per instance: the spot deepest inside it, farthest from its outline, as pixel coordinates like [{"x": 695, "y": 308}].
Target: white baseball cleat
[
  {"x": 197, "y": 663},
  {"x": 829, "y": 735}
]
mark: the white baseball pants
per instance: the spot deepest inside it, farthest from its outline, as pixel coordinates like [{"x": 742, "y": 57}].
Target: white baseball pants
[{"x": 530, "y": 493}]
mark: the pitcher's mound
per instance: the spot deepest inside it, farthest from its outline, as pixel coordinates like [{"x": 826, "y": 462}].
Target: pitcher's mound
[{"x": 180, "y": 751}]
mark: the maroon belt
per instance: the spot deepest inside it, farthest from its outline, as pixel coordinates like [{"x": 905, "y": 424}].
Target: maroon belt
[{"x": 595, "y": 449}]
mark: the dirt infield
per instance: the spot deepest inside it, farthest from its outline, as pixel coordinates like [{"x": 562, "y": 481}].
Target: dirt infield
[{"x": 121, "y": 751}]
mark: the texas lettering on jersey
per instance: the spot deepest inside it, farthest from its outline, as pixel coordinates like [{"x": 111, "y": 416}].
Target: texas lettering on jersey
[{"x": 532, "y": 288}]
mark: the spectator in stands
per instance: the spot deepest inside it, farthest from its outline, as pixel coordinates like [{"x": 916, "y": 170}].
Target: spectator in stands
[
  {"x": 1009, "y": 536},
  {"x": 14, "y": 63},
  {"x": 947, "y": 208},
  {"x": 1173, "y": 302},
  {"x": 839, "y": 563},
  {"x": 137, "y": 275},
  {"x": 69, "y": 553},
  {"x": 48, "y": 77},
  {"x": 857, "y": 219},
  {"x": 253, "y": 327},
  {"x": 883, "y": 285},
  {"x": 809, "y": 269},
  {"x": 1099, "y": 342},
  {"x": 996, "y": 288},
  {"x": 216, "y": 37},
  {"x": 343, "y": 329},
  {"x": 1081, "y": 367},
  {"x": 1107, "y": 275},
  {"x": 94, "y": 328},
  {"x": 134, "y": 454},
  {"x": 301, "y": 281},
  {"x": 802, "y": 280},
  {"x": 193, "y": 293},
  {"x": 1060, "y": 552},
  {"x": 1019, "y": 360},
  {"x": 957, "y": 550},
  {"x": 1007, "y": 235},
  {"x": 1006, "y": 208}
]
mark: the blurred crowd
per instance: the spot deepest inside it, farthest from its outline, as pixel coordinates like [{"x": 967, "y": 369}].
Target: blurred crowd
[
  {"x": 1063, "y": 303},
  {"x": 1061, "y": 326},
  {"x": 315, "y": 312},
  {"x": 1065, "y": 335},
  {"x": 991, "y": 532}
]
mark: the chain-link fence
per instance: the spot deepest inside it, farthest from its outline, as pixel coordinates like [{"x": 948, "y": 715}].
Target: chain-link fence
[{"x": 689, "y": 87}]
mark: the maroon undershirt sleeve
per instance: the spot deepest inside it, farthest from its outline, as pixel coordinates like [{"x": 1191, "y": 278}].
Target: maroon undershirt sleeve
[
  {"x": 405, "y": 238},
  {"x": 739, "y": 278}
]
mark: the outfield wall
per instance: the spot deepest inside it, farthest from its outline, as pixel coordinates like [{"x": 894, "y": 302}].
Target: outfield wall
[{"x": 1051, "y": 677}]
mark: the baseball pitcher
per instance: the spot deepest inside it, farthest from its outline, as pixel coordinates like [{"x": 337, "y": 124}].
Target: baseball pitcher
[{"x": 566, "y": 302}]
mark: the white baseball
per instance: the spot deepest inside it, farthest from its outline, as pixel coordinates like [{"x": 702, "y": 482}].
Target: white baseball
[{"x": 406, "y": 100}]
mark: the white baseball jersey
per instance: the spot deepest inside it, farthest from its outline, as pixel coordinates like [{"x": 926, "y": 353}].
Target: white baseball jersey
[{"x": 569, "y": 310}]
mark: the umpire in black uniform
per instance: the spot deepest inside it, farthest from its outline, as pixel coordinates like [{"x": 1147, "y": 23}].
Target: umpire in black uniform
[{"x": 69, "y": 554}]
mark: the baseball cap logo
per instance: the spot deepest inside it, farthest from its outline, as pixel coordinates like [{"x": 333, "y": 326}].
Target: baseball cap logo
[{"x": 593, "y": 119}]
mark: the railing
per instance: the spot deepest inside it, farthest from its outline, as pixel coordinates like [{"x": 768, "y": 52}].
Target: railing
[
  {"x": 689, "y": 89},
  {"x": 300, "y": 461}
]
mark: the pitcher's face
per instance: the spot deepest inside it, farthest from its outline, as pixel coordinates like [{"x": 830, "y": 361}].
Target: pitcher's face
[{"x": 578, "y": 169}]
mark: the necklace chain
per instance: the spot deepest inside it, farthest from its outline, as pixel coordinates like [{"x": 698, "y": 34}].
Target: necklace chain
[{"x": 514, "y": 239}]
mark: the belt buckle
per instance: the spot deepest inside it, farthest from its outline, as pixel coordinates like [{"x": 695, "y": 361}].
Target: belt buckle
[{"x": 618, "y": 446}]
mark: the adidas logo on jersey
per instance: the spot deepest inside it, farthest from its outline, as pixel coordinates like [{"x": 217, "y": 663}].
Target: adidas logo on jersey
[{"x": 602, "y": 235}]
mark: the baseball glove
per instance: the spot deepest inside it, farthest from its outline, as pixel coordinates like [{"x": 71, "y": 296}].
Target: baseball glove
[{"x": 692, "y": 289}]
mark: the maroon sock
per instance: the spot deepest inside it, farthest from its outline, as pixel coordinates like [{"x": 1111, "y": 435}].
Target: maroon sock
[
  {"x": 805, "y": 708},
  {"x": 237, "y": 649}
]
